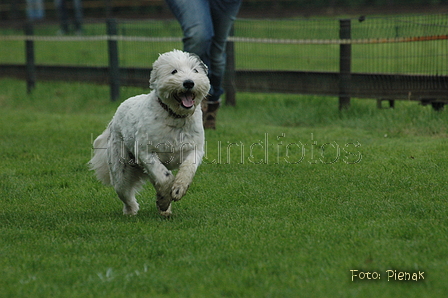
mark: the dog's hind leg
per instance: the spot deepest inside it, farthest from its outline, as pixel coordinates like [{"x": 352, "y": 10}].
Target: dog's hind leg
[
  {"x": 130, "y": 182},
  {"x": 130, "y": 205},
  {"x": 127, "y": 181},
  {"x": 126, "y": 177}
]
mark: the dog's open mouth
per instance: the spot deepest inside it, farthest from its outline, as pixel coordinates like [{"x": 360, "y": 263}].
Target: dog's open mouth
[{"x": 186, "y": 99}]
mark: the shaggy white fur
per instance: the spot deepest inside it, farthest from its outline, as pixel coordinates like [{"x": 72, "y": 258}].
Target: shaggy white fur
[{"x": 152, "y": 134}]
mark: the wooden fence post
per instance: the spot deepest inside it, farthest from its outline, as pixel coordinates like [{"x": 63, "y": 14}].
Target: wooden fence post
[
  {"x": 345, "y": 56},
  {"x": 30, "y": 63},
  {"x": 229, "y": 77},
  {"x": 114, "y": 69}
]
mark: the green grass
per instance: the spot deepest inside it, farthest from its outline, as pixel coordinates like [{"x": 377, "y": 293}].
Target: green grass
[{"x": 292, "y": 225}]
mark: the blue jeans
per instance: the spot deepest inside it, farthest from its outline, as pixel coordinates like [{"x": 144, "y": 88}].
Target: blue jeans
[
  {"x": 61, "y": 6},
  {"x": 206, "y": 25},
  {"x": 35, "y": 9}
]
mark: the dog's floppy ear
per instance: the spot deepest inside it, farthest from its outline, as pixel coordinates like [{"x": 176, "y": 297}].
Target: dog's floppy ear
[
  {"x": 152, "y": 79},
  {"x": 201, "y": 63},
  {"x": 153, "y": 76}
]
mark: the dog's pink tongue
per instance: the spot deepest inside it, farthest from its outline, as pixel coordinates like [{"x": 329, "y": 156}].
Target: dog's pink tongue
[{"x": 187, "y": 99}]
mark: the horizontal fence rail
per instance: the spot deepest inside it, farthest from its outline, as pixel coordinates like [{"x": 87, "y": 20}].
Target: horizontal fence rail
[
  {"x": 230, "y": 39},
  {"x": 384, "y": 86},
  {"x": 427, "y": 89}
]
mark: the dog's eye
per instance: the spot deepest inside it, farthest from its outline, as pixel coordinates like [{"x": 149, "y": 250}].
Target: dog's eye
[
  {"x": 174, "y": 71},
  {"x": 195, "y": 70}
]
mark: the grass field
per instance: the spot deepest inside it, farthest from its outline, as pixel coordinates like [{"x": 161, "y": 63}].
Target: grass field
[{"x": 291, "y": 197}]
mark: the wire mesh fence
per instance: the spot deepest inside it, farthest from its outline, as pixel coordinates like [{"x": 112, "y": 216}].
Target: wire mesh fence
[
  {"x": 379, "y": 45},
  {"x": 386, "y": 45},
  {"x": 389, "y": 56}
]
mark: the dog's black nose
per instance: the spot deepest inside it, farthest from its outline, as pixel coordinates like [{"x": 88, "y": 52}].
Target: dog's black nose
[{"x": 188, "y": 84}]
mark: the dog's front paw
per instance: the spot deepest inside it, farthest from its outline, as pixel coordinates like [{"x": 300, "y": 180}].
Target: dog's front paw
[
  {"x": 167, "y": 212},
  {"x": 178, "y": 190},
  {"x": 164, "y": 206}
]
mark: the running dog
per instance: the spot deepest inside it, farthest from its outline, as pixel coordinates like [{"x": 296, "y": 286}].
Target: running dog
[{"x": 152, "y": 134}]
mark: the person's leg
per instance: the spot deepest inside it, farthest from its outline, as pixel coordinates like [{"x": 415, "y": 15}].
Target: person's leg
[
  {"x": 195, "y": 20},
  {"x": 30, "y": 9},
  {"x": 223, "y": 16},
  {"x": 78, "y": 16},
  {"x": 40, "y": 11},
  {"x": 61, "y": 8}
]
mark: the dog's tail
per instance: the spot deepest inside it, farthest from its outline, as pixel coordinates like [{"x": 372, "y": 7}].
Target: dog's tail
[{"x": 98, "y": 163}]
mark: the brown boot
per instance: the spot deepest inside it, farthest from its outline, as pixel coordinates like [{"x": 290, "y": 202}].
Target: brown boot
[{"x": 209, "y": 111}]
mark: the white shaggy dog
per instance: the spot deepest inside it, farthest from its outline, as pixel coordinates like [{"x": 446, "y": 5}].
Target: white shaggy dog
[{"x": 152, "y": 134}]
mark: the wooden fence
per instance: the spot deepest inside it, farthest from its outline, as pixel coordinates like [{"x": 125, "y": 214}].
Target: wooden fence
[{"x": 426, "y": 89}]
